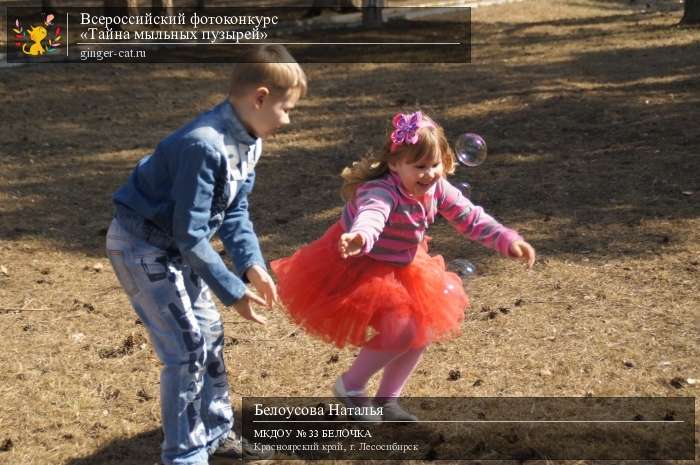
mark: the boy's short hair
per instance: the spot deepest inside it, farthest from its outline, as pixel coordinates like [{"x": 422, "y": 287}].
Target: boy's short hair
[{"x": 268, "y": 65}]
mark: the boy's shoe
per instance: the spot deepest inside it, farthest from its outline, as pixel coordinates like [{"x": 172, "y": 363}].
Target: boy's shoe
[
  {"x": 392, "y": 411},
  {"x": 235, "y": 447},
  {"x": 354, "y": 399}
]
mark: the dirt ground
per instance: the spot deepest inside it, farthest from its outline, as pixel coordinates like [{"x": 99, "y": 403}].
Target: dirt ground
[{"x": 590, "y": 109}]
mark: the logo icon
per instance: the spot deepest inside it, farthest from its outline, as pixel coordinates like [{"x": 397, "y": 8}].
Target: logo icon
[{"x": 39, "y": 39}]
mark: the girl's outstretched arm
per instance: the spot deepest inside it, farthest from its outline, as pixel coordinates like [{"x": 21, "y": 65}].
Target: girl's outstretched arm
[
  {"x": 524, "y": 251},
  {"x": 366, "y": 216},
  {"x": 473, "y": 222}
]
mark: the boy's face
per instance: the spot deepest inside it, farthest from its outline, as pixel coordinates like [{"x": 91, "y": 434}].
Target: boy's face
[
  {"x": 418, "y": 177},
  {"x": 271, "y": 110}
]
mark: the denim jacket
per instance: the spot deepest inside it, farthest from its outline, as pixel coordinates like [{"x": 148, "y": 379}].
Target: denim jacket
[{"x": 195, "y": 184}]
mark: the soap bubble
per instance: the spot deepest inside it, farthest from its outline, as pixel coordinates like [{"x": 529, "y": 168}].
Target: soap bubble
[
  {"x": 470, "y": 149},
  {"x": 465, "y": 188},
  {"x": 463, "y": 268}
]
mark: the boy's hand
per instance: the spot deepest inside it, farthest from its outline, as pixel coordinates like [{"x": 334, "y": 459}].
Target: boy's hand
[
  {"x": 350, "y": 244},
  {"x": 524, "y": 251},
  {"x": 263, "y": 283},
  {"x": 244, "y": 308}
]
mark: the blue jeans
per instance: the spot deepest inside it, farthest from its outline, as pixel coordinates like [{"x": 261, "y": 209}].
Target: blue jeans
[{"x": 186, "y": 331}]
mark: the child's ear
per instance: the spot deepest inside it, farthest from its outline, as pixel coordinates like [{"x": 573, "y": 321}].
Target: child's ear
[
  {"x": 261, "y": 93},
  {"x": 392, "y": 164}
]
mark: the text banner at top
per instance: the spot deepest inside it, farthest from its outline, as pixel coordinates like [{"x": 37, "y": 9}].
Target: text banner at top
[{"x": 225, "y": 35}]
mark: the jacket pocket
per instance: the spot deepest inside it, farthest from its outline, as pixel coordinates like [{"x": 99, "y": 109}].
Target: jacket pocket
[{"x": 126, "y": 279}]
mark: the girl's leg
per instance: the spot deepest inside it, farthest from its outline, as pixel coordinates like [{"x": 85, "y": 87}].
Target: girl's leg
[
  {"x": 397, "y": 372},
  {"x": 367, "y": 363},
  {"x": 395, "y": 376},
  {"x": 395, "y": 333}
]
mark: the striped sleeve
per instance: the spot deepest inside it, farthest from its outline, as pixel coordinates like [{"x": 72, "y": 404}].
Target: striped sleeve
[
  {"x": 472, "y": 221},
  {"x": 374, "y": 204}
]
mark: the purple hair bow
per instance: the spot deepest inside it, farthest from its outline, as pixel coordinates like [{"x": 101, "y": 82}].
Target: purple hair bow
[{"x": 406, "y": 128}]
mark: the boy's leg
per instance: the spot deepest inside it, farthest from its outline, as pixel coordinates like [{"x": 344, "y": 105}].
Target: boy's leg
[
  {"x": 155, "y": 286},
  {"x": 216, "y": 410}
]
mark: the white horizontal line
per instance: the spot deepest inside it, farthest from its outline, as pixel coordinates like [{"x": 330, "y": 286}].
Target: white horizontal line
[
  {"x": 473, "y": 421},
  {"x": 269, "y": 43}
]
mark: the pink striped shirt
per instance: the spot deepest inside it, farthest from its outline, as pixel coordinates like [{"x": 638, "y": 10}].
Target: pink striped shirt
[{"x": 393, "y": 223}]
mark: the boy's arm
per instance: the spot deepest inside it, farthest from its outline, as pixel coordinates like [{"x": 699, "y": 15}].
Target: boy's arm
[
  {"x": 471, "y": 221},
  {"x": 193, "y": 189},
  {"x": 237, "y": 232}
]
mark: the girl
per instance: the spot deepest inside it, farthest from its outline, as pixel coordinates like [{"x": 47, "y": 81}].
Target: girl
[{"x": 369, "y": 280}]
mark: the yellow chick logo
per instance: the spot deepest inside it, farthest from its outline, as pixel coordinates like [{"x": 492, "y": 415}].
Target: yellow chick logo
[{"x": 38, "y": 40}]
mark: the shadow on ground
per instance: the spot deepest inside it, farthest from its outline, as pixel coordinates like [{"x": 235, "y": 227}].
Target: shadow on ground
[
  {"x": 142, "y": 449},
  {"x": 602, "y": 137}
]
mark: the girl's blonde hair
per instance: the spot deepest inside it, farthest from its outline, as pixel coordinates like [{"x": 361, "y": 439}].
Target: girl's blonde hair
[
  {"x": 270, "y": 65},
  {"x": 431, "y": 141}
]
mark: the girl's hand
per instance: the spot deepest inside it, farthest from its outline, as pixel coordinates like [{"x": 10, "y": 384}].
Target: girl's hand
[
  {"x": 263, "y": 283},
  {"x": 350, "y": 244},
  {"x": 523, "y": 250}
]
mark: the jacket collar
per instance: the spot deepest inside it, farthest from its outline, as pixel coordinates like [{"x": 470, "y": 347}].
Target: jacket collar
[{"x": 234, "y": 124}]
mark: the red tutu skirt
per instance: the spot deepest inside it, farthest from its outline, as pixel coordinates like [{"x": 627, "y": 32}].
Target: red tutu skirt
[{"x": 366, "y": 302}]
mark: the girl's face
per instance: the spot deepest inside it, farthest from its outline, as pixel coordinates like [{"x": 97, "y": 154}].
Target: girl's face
[{"x": 419, "y": 176}]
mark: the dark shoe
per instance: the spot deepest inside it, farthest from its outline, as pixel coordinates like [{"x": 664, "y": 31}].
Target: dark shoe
[{"x": 235, "y": 447}]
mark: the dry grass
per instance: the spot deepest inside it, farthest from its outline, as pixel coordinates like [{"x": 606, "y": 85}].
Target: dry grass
[{"x": 590, "y": 109}]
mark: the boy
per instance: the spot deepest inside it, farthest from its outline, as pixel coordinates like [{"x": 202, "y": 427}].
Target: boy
[{"x": 194, "y": 185}]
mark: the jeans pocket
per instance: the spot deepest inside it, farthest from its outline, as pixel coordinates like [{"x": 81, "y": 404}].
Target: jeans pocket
[
  {"x": 155, "y": 266},
  {"x": 126, "y": 279}
]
